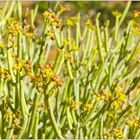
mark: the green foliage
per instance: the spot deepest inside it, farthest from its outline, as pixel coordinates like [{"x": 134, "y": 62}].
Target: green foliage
[{"x": 90, "y": 89}]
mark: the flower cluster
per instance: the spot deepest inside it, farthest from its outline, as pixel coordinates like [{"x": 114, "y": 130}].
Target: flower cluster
[
  {"x": 72, "y": 103},
  {"x": 51, "y": 19},
  {"x": 28, "y": 30},
  {"x": 11, "y": 41},
  {"x": 70, "y": 45},
  {"x": 14, "y": 27},
  {"x": 87, "y": 108},
  {"x": 120, "y": 98},
  {"x": 105, "y": 96},
  {"x": 16, "y": 118},
  {"x": 116, "y": 133},
  {"x": 4, "y": 73},
  {"x": 50, "y": 34},
  {"x": 67, "y": 55},
  {"x": 89, "y": 24},
  {"x": 44, "y": 77},
  {"x": 71, "y": 21},
  {"x": 134, "y": 122},
  {"x": 23, "y": 67}
]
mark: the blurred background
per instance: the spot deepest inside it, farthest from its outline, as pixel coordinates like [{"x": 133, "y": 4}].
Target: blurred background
[{"x": 87, "y": 9}]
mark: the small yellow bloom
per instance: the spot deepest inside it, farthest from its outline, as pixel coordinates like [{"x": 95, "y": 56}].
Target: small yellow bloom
[
  {"x": 116, "y": 104},
  {"x": 136, "y": 13},
  {"x": 2, "y": 45},
  {"x": 136, "y": 27},
  {"x": 117, "y": 133},
  {"x": 75, "y": 48},
  {"x": 72, "y": 103},
  {"x": 134, "y": 122},
  {"x": 8, "y": 77},
  {"x": 62, "y": 9},
  {"x": 46, "y": 14},
  {"x": 49, "y": 72},
  {"x": 120, "y": 94},
  {"x": 87, "y": 107},
  {"x": 1, "y": 70},
  {"x": 69, "y": 23},
  {"x": 89, "y": 24},
  {"x": 66, "y": 42},
  {"x": 98, "y": 97},
  {"x": 116, "y": 14},
  {"x": 108, "y": 95},
  {"x": 17, "y": 68}
]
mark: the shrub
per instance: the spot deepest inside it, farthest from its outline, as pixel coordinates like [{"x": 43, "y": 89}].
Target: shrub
[{"x": 89, "y": 90}]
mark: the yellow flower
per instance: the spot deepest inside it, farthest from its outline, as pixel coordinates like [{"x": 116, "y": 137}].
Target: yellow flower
[
  {"x": 52, "y": 19},
  {"x": 136, "y": 13},
  {"x": 72, "y": 103},
  {"x": 75, "y": 19},
  {"x": 1, "y": 70},
  {"x": 116, "y": 14},
  {"x": 137, "y": 31},
  {"x": 69, "y": 23},
  {"x": 98, "y": 97},
  {"x": 17, "y": 67},
  {"x": 133, "y": 122},
  {"x": 50, "y": 34},
  {"x": 120, "y": 94},
  {"x": 89, "y": 24},
  {"x": 116, "y": 104},
  {"x": 87, "y": 107},
  {"x": 46, "y": 14},
  {"x": 120, "y": 98},
  {"x": 66, "y": 42},
  {"x": 136, "y": 27},
  {"x": 2, "y": 45},
  {"x": 75, "y": 48},
  {"x": 107, "y": 135},
  {"x": 23, "y": 67},
  {"x": 13, "y": 26},
  {"x": 48, "y": 72},
  {"x": 45, "y": 76},
  {"x": 112, "y": 115},
  {"x": 62, "y": 9},
  {"x": 108, "y": 95},
  {"x": 117, "y": 133},
  {"x": 67, "y": 56},
  {"x": 8, "y": 77}
]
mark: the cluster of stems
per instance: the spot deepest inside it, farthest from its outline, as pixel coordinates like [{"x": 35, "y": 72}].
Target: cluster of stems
[{"x": 90, "y": 89}]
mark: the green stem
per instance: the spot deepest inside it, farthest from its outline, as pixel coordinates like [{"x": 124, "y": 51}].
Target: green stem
[
  {"x": 32, "y": 119},
  {"x": 52, "y": 118},
  {"x": 9, "y": 59},
  {"x": 35, "y": 132},
  {"x": 99, "y": 43},
  {"x": 22, "y": 99}
]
